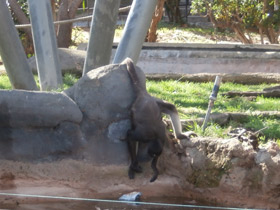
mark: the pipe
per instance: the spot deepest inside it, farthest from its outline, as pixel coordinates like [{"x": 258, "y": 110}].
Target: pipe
[
  {"x": 44, "y": 40},
  {"x": 12, "y": 53},
  {"x": 135, "y": 30},
  {"x": 102, "y": 32},
  {"x": 212, "y": 99}
]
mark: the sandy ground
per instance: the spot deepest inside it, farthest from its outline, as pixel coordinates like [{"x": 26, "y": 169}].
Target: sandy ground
[
  {"x": 72, "y": 178},
  {"x": 80, "y": 179}
]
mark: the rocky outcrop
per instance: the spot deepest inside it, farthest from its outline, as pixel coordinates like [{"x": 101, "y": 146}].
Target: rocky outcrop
[
  {"x": 37, "y": 109},
  {"x": 227, "y": 171},
  {"x": 104, "y": 96},
  {"x": 93, "y": 114},
  {"x": 38, "y": 125}
]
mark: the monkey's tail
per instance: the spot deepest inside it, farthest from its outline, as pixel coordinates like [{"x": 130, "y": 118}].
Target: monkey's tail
[{"x": 132, "y": 73}]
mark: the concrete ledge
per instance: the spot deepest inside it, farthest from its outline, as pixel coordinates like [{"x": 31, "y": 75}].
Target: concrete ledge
[
  {"x": 243, "y": 78},
  {"x": 167, "y": 58},
  {"x": 234, "y": 62},
  {"x": 198, "y": 58}
]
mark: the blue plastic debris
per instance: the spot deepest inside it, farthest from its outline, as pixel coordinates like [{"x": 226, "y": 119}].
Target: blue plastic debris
[{"x": 133, "y": 196}]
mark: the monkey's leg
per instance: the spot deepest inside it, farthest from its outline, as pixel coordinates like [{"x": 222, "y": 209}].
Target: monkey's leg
[
  {"x": 155, "y": 150},
  {"x": 132, "y": 146},
  {"x": 154, "y": 167}
]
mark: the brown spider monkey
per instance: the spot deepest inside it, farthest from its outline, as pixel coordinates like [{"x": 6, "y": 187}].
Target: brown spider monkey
[{"x": 148, "y": 131}]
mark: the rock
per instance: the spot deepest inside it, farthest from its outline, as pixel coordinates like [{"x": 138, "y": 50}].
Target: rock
[
  {"x": 49, "y": 143},
  {"x": 38, "y": 125},
  {"x": 268, "y": 158},
  {"x": 71, "y": 61},
  {"x": 228, "y": 167},
  {"x": 36, "y": 109},
  {"x": 47, "y": 125},
  {"x": 104, "y": 96}
]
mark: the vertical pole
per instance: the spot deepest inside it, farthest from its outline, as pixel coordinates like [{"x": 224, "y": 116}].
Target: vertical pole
[
  {"x": 12, "y": 52},
  {"x": 45, "y": 44},
  {"x": 102, "y": 31},
  {"x": 88, "y": 13},
  {"x": 135, "y": 30},
  {"x": 212, "y": 99}
]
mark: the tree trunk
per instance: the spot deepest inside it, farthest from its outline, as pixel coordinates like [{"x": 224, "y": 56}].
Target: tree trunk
[
  {"x": 67, "y": 10},
  {"x": 178, "y": 13},
  {"x": 173, "y": 11},
  {"x": 152, "y": 35},
  {"x": 240, "y": 34},
  {"x": 23, "y": 19},
  {"x": 53, "y": 2},
  {"x": 272, "y": 36},
  {"x": 261, "y": 34},
  {"x": 276, "y": 5}
]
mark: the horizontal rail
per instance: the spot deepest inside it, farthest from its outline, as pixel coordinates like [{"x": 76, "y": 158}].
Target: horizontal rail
[{"x": 89, "y": 17}]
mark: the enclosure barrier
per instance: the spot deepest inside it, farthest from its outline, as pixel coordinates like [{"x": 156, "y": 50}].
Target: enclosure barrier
[{"x": 120, "y": 201}]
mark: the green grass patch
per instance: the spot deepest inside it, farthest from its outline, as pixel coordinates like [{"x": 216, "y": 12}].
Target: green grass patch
[
  {"x": 68, "y": 81},
  {"x": 188, "y": 96},
  {"x": 191, "y": 100},
  {"x": 5, "y": 82}
]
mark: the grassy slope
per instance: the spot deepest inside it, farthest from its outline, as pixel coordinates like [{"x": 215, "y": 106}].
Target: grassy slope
[
  {"x": 68, "y": 81},
  {"x": 191, "y": 99}
]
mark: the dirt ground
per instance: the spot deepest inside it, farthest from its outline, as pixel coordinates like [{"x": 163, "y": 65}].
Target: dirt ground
[
  {"x": 76, "y": 178},
  {"x": 81, "y": 179}
]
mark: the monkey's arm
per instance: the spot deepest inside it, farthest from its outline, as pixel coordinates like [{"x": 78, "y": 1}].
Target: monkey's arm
[{"x": 171, "y": 110}]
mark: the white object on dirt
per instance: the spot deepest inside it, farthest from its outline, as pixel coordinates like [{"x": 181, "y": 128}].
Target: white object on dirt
[{"x": 133, "y": 196}]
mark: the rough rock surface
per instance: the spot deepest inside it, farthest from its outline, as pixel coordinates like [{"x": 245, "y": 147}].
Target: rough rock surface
[
  {"x": 38, "y": 125},
  {"x": 222, "y": 172},
  {"x": 104, "y": 96},
  {"x": 228, "y": 171},
  {"x": 93, "y": 113},
  {"x": 33, "y": 108}
]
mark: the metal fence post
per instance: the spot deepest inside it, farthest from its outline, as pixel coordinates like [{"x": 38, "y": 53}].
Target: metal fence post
[
  {"x": 44, "y": 40},
  {"x": 102, "y": 31},
  {"x": 12, "y": 53},
  {"x": 135, "y": 30}
]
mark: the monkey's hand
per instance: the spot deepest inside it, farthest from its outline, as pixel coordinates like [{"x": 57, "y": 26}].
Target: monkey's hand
[
  {"x": 187, "y": 135},
  {"x": 184, "y": 137}
]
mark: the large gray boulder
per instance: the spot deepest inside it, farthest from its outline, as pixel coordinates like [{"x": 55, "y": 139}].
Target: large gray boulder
[
  {"x": 104, "y": 96},
  {"x": 38, "y": 125},
  {"x": 36, "y": 109},
  {"x": 93, "y": 114}
]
